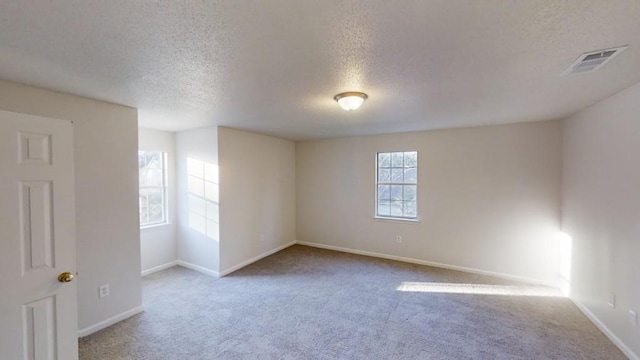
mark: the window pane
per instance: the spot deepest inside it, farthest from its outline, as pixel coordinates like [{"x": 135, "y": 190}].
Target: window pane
[
  {"x": 411, "y": 175},
  {"x": 142, "y": 177},
  {"x": 384, "y": 175},
  {"x": 397, "y": 159},
  {"x": 410, "y": 209},
  {"x": 156, "y": 214},
  {"x": 141, "y": 159},
  {"x": 384, "y": 192},
  {"x": 155, "y": 177},
  {"x": 384, "y": 208},
  {"x": 411, "y": 159},
  {"x": 396, "y": 192},
  {"x": 154, "y": 159},
  {"x": 143, "y": 215},
  {"x": 384, "y": 160},
  {"x": 156, "y": 196},
  {"x": 144, "y": 193},
  {"x": 409, "y": 193},
  {"x": 397, "y": 175},
  {"x": 396, "y": 208},
  {"x": 151, "y": 177}
]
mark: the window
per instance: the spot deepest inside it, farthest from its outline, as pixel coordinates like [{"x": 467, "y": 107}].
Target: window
[
  {"x": 153, "y": 187},
  {"x": 397, "y": 184}
]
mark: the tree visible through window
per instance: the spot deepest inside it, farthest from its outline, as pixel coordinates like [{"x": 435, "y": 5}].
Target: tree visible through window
[
  {"x": 153, "y": 187},
  {"x": 396, "y": 184}
]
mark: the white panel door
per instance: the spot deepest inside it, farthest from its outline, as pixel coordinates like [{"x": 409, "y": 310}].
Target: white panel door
[{"x": 38, "y": 311}]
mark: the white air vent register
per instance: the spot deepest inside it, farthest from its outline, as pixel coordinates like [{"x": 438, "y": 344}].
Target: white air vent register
[{"x": 593, "y": 60}]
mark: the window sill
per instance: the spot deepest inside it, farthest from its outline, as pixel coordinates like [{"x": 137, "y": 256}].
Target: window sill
[
  {"x": 392, "y": 219},
  {"x": 154, "y": 226}
]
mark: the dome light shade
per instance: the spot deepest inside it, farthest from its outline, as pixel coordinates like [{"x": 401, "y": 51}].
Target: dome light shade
[{"x": 351, "y": 100}]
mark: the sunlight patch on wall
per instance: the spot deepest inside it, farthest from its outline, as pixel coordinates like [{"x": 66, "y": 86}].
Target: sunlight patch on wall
[
  {"x": 479, "y": 289},
  {"x": 565, "y": 253},
  {"x": 204, "y": 199},
  {"x": 565, "y": 250}
]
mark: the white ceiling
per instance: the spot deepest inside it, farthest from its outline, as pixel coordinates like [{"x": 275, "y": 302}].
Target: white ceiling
[{"x": 273, "y": 66}]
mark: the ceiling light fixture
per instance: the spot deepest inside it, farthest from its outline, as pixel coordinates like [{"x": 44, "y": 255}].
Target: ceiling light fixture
[{"x": 351, "y": 100}]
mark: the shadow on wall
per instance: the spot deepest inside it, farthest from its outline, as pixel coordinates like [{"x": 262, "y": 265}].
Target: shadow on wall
[{"x": 204, "y": 197}]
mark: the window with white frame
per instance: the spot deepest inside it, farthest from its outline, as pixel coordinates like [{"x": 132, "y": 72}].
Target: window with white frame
[
  {"x": 397, "y": 185},
  {"x": 153, "y": 187}
]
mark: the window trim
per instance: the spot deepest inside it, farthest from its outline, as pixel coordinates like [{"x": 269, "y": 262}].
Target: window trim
[
  {"x": 415, "y": 220},
  {"x": 165, "y": 192},
  {"x": 149, "y": 227},
  {"x": 391, "y": 218}
]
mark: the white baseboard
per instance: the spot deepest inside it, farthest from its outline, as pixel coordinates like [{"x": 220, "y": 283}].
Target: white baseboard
[
  {"x": 198, "y": 268},
  {"x": 110, "y": 321},
  {"x": 254, "y": 259},
  {"x": 600, "y": 325},
  {"x": 429, "y": 263},
  {"x": 159, "y": 268}
]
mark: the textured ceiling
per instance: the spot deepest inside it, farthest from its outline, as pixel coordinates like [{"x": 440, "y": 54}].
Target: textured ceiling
[{"x": 273, "y": 66}]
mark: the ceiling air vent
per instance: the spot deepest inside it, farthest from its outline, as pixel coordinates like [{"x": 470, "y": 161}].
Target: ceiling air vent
[{"x": 593, "y": 60}]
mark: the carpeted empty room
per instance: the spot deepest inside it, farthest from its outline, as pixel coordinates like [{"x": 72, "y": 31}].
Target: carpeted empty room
[
  {"x": 309, "y": 303},
  {"x": 303, "y": 179}
]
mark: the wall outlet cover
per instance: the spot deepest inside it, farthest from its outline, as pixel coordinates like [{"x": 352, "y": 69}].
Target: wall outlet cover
[{"x": 103, "y": 291}]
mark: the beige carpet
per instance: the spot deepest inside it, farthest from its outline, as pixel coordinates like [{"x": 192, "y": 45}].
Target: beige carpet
[{"x": 306, "y": 303}]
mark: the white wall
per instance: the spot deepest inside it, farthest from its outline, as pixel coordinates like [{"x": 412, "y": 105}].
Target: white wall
[
  {"x": 106, "y": 179},
  {"x": 158, "y": 244},
  {"x": 257, "y": 196},
  {"x": 488, "y": 197},
  {"x": 198, "y": 234},
  {"x": 601, "y": 210}
]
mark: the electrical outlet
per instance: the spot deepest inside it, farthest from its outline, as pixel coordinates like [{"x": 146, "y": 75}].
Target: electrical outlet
[
  {"x": 633, "y": 318},
  {"x": 103, "y": 291},
  {"x": 261, "y": 237},
  {"x": 398, "y": 239},
  {"x": 612, "y": 300}
]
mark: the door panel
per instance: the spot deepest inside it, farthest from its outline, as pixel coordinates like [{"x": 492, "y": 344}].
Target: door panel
[
  {"x": 34, "y": 148},
  {"x": 36, "y": 224},
  {"x": 38, "y": 314},
  {"x": 40, "y": 331}
]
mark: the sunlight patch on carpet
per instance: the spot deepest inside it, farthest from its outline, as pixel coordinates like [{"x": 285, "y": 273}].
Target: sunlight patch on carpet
[{"x": 479, "y": 289}]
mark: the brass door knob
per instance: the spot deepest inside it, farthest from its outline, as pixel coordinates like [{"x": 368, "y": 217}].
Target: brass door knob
[{"x": 65, "y": 277}]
